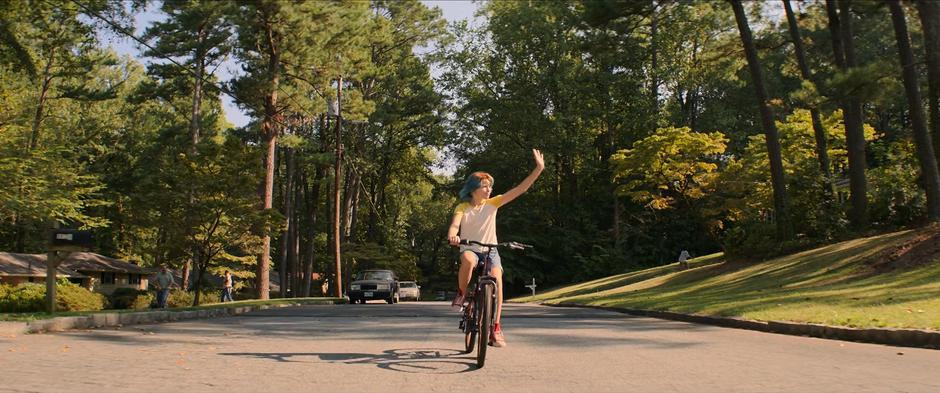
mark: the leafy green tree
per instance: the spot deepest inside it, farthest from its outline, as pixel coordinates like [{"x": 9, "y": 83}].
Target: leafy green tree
[
  {"x": 929, "y": 13},
  {"x": 674, "y": 169},
  {"x": 281, "y": 45},
  {"x": 781, "y": 198},
  {"x": 841, "y": 26},
  {"x": 224, "y": 210},
  {"x": 820, "y": 134},
  {"x": 672, "y": 166},
  {"x": 925, "y": 155},
  {"x": 196, "y": 36},
  {"x": 46, "y": 177}
]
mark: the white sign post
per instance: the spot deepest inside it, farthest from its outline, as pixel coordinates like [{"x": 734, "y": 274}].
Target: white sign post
[{"x": 532, "y": 286}]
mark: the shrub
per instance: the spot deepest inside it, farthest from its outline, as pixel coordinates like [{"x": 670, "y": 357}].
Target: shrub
[
  {"x": 143, "y": 301},
  {"x": 73, "y": 297},
  {"x": 180, "y": 298},
  {"x": 243, "y": 295},
  {"x": 31, "y": 297},
  {"x": 130, "y": 298},
  {"x": 26, "y": 297}
]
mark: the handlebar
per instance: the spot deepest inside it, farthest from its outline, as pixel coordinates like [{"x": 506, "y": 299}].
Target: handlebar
[{"x": 510, "y": 245}]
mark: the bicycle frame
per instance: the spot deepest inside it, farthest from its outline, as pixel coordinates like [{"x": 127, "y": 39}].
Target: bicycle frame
[{"x": 478, "y": 318}]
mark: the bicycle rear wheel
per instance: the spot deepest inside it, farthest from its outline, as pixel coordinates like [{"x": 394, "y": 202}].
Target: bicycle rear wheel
[
  {"x": 469, "y": 327},
  {"x": 485, "y": 312}
]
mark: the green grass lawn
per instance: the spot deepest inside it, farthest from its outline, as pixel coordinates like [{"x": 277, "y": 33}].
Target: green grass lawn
[{"x": 833, "y": 285}]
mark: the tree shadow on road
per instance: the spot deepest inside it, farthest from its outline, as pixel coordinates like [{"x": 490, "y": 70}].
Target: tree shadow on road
[{"x": 408, "y": 360}]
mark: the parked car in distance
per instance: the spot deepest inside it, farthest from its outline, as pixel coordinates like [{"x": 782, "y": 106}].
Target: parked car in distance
[
  {"x": 409, "y": 290},
  {"x": 374, "y": 284}
]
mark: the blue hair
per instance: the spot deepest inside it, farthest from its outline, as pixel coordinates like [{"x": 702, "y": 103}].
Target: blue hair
[{"x": 472, "y": 183}]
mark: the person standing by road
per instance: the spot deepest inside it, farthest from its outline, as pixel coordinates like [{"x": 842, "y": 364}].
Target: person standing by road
[
  {"x": 684, "y": 259},
  {"x": 163, "y": 282},
  {"x": 475, "y": 219},
  {"x": 227, "y": 287}
]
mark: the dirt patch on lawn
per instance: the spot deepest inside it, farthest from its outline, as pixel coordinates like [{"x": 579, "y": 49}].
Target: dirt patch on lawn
[{"x": 917, "y": 251}]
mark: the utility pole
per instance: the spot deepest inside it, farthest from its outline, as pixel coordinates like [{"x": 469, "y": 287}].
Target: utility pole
[{"x": 336, "y": 185}]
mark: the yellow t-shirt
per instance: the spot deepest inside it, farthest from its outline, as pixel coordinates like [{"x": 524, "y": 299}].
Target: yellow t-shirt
[{"x": 478, "y": 223}]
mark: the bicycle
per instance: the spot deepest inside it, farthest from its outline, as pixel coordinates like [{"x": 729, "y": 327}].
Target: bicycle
[{"x": 479, "y": 309}]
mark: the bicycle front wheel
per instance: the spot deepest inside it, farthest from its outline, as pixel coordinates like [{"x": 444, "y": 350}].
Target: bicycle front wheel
[
  {"x": 469, "y": 327},
  {"x": 485, "y": 312}
]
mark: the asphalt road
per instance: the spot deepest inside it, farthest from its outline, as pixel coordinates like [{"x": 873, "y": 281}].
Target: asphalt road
[{"x": 415, "y": 347}]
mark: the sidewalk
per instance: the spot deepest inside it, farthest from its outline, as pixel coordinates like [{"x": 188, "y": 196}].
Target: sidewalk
[
  {"x": 916, "y": 338},
  {"x": 109, "y": 319}
]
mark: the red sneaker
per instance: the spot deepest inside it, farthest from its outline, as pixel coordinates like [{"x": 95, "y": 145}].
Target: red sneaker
[{"x": 497, "y": 339}]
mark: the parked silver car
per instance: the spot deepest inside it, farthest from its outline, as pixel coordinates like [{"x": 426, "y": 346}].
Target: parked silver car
[{"x": 409, "y": 290}]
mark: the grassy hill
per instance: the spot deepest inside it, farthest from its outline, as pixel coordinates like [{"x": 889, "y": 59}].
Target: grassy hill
[{"x": 890, "y": 280}]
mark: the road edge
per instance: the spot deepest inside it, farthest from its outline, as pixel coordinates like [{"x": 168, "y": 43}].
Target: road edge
[
  {"x": 112, "y": 319},
  {"x": 916, "y": 338}
]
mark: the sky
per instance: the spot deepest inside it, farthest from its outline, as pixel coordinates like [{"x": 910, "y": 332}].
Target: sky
[{"x": 453, "y": 10}]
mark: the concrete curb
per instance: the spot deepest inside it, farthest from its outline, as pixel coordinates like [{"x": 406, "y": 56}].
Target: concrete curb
[
  {"x": 916, "y": 338},
  {"x": 110, "y": 319}
]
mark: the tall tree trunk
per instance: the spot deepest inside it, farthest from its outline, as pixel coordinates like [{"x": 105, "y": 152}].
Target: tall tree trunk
[
  {"x": 354, "y": 218},
  {"x": 693, "y": 96},
  {"x": 929, "y": 11},
  {"x": 781, "y": 200},
  {"x": 310, "y": 249},
  {"x": 654, "y": 64},
  {"x": 264, "y": 259},
  {"x": 352, "y": 198},
  {"x": 822, "y": 149},
  {"x": 313, "y": 200},
  {"x": 337, "y": 188},
  {"x": 269, "y": 132},
  {"x": 294, "y": 255},
  {"x": 835, "y": 33},
  {"x": 284, "y": 266},
  {"x": 200, "y": 271},
  {"x": 43, "y": 96},
  {"x": 853, "y": 116},
  {"x": 19, "y": 224},
  {"x": 291, "y": 262},
  {"x": 187, "y": 270},
  {"x": 930, "y": 176},
  {"x": 195, "y": 122},
  {"x": 19, "y": 236},
  {"x": 310, "y": 261}
]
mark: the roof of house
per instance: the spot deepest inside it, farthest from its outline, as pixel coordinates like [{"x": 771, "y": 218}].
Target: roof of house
[
  {"x": 30, "y": 265},
  {"x": 91, "y": 262},
  {"x": 34, "y": 265}
]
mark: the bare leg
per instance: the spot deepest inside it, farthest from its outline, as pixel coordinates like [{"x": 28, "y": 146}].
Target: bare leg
[
  {"x": 498, "y": 273},
  {"x": 467, "y": 261}
]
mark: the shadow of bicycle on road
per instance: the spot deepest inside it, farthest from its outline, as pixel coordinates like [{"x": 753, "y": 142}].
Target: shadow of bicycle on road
[{"x": 409, "y": 360}]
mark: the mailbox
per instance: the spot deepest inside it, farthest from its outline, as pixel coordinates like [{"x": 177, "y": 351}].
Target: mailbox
[{"x": 72, "y": 238}]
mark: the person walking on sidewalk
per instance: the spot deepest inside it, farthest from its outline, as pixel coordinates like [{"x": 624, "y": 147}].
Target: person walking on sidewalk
[
  {"x": 163, "y": 282},
  {"x": 227, "y": 287}
]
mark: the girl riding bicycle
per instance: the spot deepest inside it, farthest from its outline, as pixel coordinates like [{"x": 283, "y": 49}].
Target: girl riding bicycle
[{"x": 475, "y": 219}]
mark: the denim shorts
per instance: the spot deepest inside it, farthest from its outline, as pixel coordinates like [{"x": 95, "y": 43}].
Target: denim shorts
[{"x": 494, "y": 257}]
